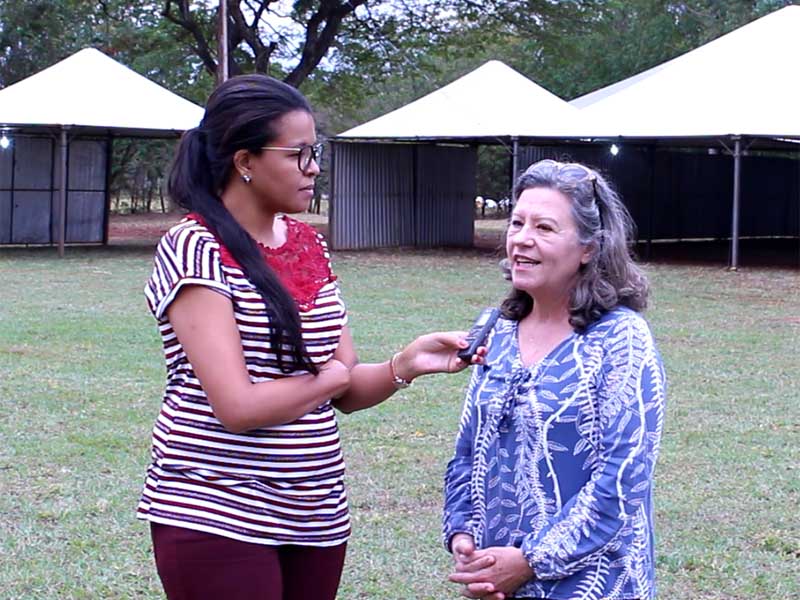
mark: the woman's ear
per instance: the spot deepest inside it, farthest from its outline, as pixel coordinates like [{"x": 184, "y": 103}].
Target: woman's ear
[
  {"x": 588, "y": 252},
  {"x": 243, "y": 162}
]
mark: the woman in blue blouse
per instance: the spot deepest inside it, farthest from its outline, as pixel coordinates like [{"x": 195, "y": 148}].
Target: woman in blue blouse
[{"x": 549, "y": 493}]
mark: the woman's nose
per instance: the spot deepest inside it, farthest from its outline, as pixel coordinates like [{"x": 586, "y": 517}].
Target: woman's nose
[
  {"x": 313, "y": 168},
  {"x": 523, "y": 237}
]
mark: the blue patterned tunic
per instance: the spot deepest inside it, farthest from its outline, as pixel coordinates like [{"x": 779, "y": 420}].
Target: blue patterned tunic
[{"x": 557, "y": 459}]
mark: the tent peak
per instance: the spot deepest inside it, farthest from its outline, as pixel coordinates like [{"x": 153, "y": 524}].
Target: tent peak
[
  {"x": 740, "y": 83},
  {"x": 92, "y": 90},
  {"x": 492, "y": 101}
]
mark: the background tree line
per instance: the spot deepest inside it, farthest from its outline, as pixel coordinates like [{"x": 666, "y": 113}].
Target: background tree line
[{"x": 357, "y": 59}]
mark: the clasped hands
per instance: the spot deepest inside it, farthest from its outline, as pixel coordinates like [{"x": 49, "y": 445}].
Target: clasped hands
[{"x": 489, "y": 574}]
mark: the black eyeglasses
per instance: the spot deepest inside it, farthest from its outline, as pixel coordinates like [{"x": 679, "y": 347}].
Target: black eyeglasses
[
  {"x": 305, "y": 154},
  {"x": 574, "y": 174}
]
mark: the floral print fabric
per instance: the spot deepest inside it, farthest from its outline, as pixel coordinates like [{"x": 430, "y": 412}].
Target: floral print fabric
[{"x": 557, "y": 459}]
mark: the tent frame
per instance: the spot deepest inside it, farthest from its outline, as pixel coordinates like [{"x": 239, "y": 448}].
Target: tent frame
[
  {"x": 63, "y": 135},
  {"x": 735, "y": 146}
]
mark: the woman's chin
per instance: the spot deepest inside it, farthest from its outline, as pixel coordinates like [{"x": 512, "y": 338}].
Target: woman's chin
[{"x": 299, "y": 206}]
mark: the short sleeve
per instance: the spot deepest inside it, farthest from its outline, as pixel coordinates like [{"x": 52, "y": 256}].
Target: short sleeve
[{"x": 188, "y": 254}]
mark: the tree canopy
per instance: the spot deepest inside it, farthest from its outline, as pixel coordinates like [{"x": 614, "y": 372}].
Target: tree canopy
[
  {"x": 362, "y": 57},
  {"x": 356, "y": 59}
]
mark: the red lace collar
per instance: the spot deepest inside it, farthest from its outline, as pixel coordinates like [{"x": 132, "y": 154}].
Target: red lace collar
[{"x": 300, "y": 263}]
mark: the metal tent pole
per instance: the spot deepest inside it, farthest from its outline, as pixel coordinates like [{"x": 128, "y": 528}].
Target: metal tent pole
[
  {"x": 62, "y": 196},
  {"x": 223, "y": 42},
  {"x": 514, "y": 165},
  {"x": 737, "y": 172}
]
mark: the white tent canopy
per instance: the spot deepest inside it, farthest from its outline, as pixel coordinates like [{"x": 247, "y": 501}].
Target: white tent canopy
[
  {"x": 741, "y": 86},
  {"x": 745, "y": 83},
  {"x": 91, "y": 90},
  {"x": 493, "y": 101},
  {"x": 85, "y": 95},
  {"x": 409, "y": 176}
]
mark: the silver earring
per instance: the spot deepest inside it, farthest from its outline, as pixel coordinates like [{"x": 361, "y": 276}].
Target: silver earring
[{"x": 246, "y": 177}]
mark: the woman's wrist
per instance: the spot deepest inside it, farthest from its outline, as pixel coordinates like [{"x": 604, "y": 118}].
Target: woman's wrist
[{"x": 401, "y": 369}]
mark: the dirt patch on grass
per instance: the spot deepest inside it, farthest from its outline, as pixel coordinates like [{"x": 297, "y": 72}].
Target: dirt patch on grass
[
  {"x": 137, "y": 229},
  {"x": 140, "y": 228}
]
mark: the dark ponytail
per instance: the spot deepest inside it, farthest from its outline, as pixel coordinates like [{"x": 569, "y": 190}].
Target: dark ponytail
[{"x": 240, "y": 115}]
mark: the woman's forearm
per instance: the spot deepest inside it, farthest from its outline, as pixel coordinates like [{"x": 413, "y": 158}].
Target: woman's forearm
[
  {"x": 270, "y": 403},
  {"x": 370, "y": 384}
]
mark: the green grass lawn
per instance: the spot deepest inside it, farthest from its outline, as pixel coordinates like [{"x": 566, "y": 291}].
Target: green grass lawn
[{"x": 81, "y": 376}]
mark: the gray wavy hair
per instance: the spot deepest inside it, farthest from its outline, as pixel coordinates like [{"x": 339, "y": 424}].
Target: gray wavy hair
[{"x": 610, "y": 278}]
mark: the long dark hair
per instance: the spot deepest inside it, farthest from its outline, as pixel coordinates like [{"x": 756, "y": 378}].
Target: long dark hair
[
  {"x": 241, "y": 115},
  {"x": 611, "y": 278}
]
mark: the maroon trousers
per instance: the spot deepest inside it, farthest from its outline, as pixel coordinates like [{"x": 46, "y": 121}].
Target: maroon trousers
[{"x": 194, "y": 565}]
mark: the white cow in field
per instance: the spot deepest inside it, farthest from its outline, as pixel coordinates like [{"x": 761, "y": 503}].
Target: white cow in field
[{"x": 482, "y": 204}]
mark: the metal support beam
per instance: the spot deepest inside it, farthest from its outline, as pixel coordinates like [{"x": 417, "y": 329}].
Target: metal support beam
[
  {"x": 514, "y": 165},
  {"x": 107, "y": 201},
  {"x": 737, "y": 190},
  {"x": 62, "y": 195},
  {"x": 222, "y": 52},
  {"x": 737, "y": 173}
]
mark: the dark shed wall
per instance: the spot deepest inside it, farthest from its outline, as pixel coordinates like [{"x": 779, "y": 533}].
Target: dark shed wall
[
  {"x": 673, "y": 194},
  {"x": 402, "y": 195},
  {"x": 6, "y": 169},
  {"x": 446, "y": 186},
  {"x": 770, "y": 196},
  {"x": 373, "y": 198},
  {"x": 86, "y": 203},
  {"x": 29, "y": 190}
]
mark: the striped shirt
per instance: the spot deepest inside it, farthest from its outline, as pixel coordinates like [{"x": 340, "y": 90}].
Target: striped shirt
[{"x": 273, "y": 485}]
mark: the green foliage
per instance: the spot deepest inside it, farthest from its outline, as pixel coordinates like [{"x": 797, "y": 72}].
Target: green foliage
[
  {"x": 383, "y": 55},
  {"x": 631, "y": 36},
  {"x": 138, "y": 36},
  {"x": 37, "y": 33},
  {"x": 384, "y": 64},
  {"x": 569, "y": 48}
]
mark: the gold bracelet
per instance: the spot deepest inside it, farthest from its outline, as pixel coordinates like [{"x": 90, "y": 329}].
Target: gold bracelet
[{"x": 398, "y": 381}]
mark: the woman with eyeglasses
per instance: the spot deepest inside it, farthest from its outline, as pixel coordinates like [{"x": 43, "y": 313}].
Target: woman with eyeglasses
[
  {"x": 245, "y": 493},
  {"x": 549, "y": 492}
]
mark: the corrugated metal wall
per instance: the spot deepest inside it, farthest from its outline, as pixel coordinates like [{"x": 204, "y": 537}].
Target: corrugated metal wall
[
  {"x": 673, "y": 194},
  {"x": 29, "y": 190},
  {"x": 446, "y": 184},
  {"x": 373, "y": 196},
  {"x": 6, "y": 166},
  {"x": 86, "y": 202},
  {"x": 401, "y": 195}
]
